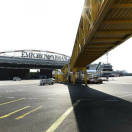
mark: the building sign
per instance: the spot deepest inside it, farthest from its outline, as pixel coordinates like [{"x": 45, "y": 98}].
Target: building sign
[{"x": 45, "y": 56}]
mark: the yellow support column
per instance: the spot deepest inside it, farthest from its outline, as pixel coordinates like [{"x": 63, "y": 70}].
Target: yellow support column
[
  {"x": 56, "y": 75},
  {"x": 74, "y": 78}
]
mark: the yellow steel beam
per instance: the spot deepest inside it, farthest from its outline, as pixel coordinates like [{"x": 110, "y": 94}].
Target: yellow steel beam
[
  {"x": 106, "y": 39},
  {"x": 91, "y": 54},
  {"x": 118, "y": 22},
  {"x": 99, "y": 45},
  {"x": 122, "y": 6},
  {"x": 113, "y": 32},
  {"x": 95, "y": 50}
]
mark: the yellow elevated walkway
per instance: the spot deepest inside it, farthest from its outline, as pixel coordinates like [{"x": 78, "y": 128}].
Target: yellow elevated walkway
[{"x": 104, "y": 24}]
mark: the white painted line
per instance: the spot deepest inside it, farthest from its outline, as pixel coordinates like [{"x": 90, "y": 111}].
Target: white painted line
[{"x": 58, "y": 122}]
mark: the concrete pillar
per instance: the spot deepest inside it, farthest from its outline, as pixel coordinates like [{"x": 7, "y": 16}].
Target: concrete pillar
[{"x": 74, "y": 78}]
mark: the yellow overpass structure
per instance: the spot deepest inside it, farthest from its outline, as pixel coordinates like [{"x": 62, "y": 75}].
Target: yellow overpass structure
[{"x": 104, "y": 24}]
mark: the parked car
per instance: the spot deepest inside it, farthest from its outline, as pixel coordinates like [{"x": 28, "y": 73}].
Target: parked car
[
  {"x": 49, "y": 81},
  {"x": 16, "y": 79}
]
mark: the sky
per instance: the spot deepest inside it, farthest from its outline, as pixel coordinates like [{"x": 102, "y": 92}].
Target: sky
[
  {"x": 49, "y": 25},
  {"x": 39, "y": 24}
]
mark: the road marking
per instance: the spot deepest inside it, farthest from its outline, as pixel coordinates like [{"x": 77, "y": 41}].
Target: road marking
[
  {"x": 22, "y": 116},
  {"x": 12, "y": 101},
  {"x": 57, "y": 123},
  {"x": 9, "y": 114}
]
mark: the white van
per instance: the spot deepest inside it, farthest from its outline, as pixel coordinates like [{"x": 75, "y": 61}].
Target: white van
[{"x": 49, "y": 81}]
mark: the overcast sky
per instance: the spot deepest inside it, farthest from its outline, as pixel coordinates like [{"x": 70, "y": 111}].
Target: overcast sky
[{"x": 49, "y": 25}]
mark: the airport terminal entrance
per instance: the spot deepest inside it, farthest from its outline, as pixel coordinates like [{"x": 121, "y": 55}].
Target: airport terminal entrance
[{"x": 9, "y": 73}]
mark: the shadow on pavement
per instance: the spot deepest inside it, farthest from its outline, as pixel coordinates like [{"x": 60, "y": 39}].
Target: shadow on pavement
[{"x": 100, "y": 112}]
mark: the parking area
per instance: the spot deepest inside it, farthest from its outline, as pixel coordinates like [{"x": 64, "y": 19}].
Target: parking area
[{"x": 27, "y": 107}]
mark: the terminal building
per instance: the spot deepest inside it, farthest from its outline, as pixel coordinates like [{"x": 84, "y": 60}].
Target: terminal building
[{"x": 19, "y": 63}]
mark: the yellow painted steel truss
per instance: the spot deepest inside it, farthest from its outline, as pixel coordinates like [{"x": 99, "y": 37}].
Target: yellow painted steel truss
[{"x": 104, "y": 24}]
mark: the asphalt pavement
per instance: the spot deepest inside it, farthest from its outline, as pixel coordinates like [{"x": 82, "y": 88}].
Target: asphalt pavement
[{"x": 27, "y": 107}]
